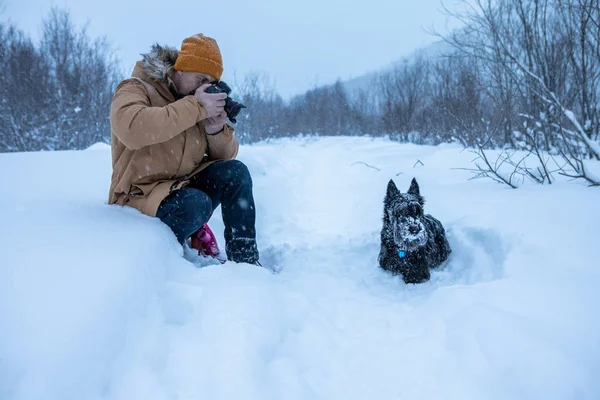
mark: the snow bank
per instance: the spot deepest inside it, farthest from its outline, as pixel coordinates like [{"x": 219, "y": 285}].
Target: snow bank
[{"x": 97, "y": 302}]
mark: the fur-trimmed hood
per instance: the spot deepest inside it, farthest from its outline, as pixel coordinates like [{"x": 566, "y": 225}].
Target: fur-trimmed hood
[{"x": 158, "y": 63}]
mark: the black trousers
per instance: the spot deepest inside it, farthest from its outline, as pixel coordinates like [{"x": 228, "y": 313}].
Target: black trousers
[{"x": 229, "y": 184}]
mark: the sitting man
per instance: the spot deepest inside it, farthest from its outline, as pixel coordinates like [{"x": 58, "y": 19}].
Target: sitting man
[{"x": 173, "y": 154}]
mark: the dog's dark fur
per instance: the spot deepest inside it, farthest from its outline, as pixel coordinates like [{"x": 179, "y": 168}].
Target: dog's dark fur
[{"x": 406, "y": 228}]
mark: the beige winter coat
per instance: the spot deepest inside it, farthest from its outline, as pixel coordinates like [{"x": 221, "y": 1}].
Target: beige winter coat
[{"x": 157, "y": 141}]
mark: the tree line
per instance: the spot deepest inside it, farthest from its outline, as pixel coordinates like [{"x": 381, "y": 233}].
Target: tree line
[
  {"x": 54, "y": 95},
  {"x": 520, "y": 75}
]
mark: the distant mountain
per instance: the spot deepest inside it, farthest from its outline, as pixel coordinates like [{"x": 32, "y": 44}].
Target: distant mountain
[{"x": 433, "y": 51}]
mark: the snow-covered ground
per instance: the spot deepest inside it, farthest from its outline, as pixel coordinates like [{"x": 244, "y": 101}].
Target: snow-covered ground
[{"x": 100, "y": 302}]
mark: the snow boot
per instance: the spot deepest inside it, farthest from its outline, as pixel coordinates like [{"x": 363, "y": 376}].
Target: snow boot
[{"x": 205, "y": 242}]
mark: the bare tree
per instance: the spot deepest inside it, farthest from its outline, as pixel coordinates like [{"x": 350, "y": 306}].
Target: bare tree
[
  {"x": 56, "y": 95},
  {"x": 365, "y": 112},
  {"x": 457, "y": 98},
  {"x": 261, "y": 120},
  {"x": 403, "y": 97},
  {"x": 546, "y": 57},
  {"x": 84, "y": 73},
  {"x": 24, "y": 92},
  {"x": 580, "y": 24}
]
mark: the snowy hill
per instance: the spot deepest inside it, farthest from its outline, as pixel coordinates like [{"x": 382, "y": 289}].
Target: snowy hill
[{"x": 97, "y": 302}]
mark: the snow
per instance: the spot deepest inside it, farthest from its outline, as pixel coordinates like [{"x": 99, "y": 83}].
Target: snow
[
  {"x": 97, "y": 302},
  {"x": 100, "y": 146}
]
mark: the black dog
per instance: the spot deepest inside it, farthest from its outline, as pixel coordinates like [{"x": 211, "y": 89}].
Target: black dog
[{"x": 411, "y": 243}]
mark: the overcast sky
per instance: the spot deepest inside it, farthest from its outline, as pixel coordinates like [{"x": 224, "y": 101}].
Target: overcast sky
[{"x": 298, "y": 44}]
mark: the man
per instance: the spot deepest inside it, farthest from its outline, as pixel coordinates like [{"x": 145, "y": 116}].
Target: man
[{"x": 173, "y": 154}]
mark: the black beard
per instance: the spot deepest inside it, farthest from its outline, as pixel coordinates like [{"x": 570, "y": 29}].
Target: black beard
[{"x": 177, "y": 94}]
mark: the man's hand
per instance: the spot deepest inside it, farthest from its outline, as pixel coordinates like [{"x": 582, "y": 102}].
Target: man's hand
[
  {"x": 215, "y": 124},
  {"x": 214, "y": 104}
]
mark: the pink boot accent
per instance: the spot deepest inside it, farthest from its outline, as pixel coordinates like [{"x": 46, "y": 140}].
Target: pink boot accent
[{"x": 205, "y": 242}]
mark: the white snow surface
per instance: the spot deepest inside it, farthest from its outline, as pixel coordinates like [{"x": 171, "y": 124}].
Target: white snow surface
[{"x": 100, "y": 302}]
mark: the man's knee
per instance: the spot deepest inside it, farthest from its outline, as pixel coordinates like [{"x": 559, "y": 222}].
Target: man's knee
[
  {"x": 187, "y": 204},
  {"x": 236, "y": 172},
  {"x": 198, "y": 206}
]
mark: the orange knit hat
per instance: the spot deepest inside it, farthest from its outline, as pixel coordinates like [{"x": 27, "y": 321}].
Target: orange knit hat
[{"x": 200, "y": 53}]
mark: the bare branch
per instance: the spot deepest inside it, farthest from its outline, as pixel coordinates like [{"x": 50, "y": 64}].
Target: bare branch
[{"x": 364, "y": 163}]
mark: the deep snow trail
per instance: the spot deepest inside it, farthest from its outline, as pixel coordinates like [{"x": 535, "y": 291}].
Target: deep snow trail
[{"x": 99, "y": 303}]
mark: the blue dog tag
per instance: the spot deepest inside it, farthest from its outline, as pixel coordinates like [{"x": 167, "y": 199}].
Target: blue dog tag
[{"x": 401, "y": 253}]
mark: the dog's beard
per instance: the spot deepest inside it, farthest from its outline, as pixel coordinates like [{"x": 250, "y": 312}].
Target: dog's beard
[{"x": 409, "y": 233}]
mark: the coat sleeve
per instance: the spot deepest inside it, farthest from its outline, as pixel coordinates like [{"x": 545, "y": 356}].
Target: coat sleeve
[
  {"x": 223, "y": 145},
  {"x": 137, "y": 124}
]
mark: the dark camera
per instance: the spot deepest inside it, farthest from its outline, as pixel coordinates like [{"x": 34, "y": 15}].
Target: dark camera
[{"x": 232, "y": 107}]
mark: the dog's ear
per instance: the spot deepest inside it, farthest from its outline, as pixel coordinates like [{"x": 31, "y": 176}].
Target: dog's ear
[
  {"x": 392, "y": 191},
  {"x": 414, "y": 188},
  {"x": 415, "y": 191}
]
